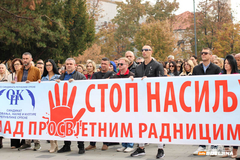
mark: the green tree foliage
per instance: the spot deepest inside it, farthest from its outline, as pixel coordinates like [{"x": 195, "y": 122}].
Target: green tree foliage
[
  {"x": 159, "y": 35},
  {"x": 228, "y": 40},
  {"x": 127, "y": 21},
  {"x": 48, "y": 29},
  {"x": 132, "y": 13},
  {"x": 105, "y": 39},
  {"x": 162, "y": 10},
  {"x": 210, "y": 17}
]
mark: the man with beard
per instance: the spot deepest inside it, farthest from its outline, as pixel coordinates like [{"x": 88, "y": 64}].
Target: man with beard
[{"x": 27, "y": 74}]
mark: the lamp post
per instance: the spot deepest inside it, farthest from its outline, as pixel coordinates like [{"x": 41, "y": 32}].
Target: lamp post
[{"x": 195, "y": 34}]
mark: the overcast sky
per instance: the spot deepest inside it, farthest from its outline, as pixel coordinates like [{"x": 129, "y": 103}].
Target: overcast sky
[{"x": 187, "y": 5}]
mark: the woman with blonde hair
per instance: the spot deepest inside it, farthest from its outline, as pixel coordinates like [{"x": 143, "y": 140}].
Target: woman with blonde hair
[
  {"x": 91, "y": 68},
  {"x": 187, "y": 68},
  {"x": 3, "y": 73},
  {"x": 80, "y": 68},
  {"x": 218, "y": 62}
]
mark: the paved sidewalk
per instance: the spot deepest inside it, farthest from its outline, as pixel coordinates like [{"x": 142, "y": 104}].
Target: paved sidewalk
[{"x": 173, "y": 152}]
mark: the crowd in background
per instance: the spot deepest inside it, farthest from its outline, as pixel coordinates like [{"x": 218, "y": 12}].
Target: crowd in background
[{"x": 128, "y": 66}]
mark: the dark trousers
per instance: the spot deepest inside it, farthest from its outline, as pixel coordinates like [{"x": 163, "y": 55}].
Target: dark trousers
[
  {"x": 94, "y": 143},
  {"x": 16, "y": 143},
  {"x": 80, "y": 144}
]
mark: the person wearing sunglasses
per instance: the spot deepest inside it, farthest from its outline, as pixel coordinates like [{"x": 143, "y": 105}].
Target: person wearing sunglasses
[
  {"x": 149, "y": 68},
  {"x": 133, "y": 65},
  {"x": 124, "y": 72},
  {"x": 206, "y": 68},
  {"x": 139, "y": 60},
  {"x": 172, "y": 69}
]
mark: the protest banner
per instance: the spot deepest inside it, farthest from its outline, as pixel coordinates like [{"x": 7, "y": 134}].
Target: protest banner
[{"x": 175, "y": 110}]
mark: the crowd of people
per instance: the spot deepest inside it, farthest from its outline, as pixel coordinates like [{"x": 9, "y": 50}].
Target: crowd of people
[{"x": 24, "y": 70}]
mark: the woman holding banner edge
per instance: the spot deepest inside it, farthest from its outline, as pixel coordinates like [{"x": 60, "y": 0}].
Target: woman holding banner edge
[
  {"x": 51, "y": 73},
  {"x": 16, "y": 66},
  {"x": 230, "y": 67}
]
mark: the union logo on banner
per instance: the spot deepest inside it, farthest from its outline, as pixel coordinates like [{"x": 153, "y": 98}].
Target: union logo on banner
[{"x": 14, "y": 96}]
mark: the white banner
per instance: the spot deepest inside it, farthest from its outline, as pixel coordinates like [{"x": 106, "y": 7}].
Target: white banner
[{"x": 176, "y": 110}]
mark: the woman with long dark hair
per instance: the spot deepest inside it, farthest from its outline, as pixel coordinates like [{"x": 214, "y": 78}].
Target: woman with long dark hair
[
  {"x": 51, "y": 73},
  {"x": 173, "y": 69},
  {"x": 230, "y": 67}
]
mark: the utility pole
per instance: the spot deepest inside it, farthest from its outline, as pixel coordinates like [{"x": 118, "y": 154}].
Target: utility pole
[{"x": 195, "y": 32}]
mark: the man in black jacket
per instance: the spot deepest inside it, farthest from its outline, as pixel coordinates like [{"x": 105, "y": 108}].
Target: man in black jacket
[
  {"x": 206, "y": 68},
  {"x": 103, "y": 74},
  {"x": 149, "y": 68},
  {"x": 133, "y": 65},
  {"x": 71, "y": 75}
]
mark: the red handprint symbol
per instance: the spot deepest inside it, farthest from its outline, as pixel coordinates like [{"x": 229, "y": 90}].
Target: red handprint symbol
[{"x": 63, "y": 113}]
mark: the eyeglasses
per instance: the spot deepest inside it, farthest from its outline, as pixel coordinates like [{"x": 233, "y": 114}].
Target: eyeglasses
[
  {"x": 171, "y": 66},
  {"x": 49, "y": 65},
  {"x": 205, "y": 53},
  {"x": 146, "y": 49},
  {"x": 139, "y": 62},
  {"x": 120, "y": 64},
  {"x": 17, "y": 64}
]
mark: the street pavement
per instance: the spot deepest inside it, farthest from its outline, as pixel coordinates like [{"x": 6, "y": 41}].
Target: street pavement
[{"x": 172, "y": 152}]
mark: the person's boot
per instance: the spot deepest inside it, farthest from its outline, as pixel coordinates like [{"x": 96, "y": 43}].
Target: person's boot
[{"x": 64, "y": 149}]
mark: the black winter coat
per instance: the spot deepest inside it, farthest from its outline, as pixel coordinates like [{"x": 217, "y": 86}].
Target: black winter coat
[
  {"x": 212, "y": 69},
  {"x": 153, "y": 69}
]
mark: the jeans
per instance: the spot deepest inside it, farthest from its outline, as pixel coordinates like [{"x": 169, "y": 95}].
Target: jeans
[{"x": 130, "y": 145}]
